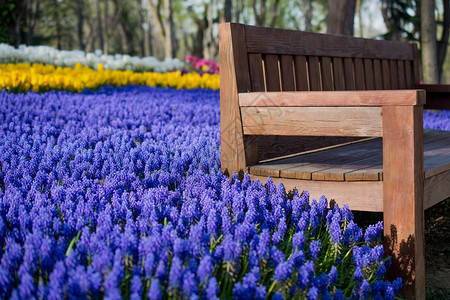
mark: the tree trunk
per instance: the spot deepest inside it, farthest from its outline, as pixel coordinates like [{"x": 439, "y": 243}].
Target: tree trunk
[
  {"x": 157, "y": 19},
  {"x": 428, "y": 43},
  {"x": 99, "y": 22},
  {"x": 170, "y": 38},
  {"x": 261, "y": 16},
  {"x": 106, "y": 29},
  {"x": 80, "y": 25},
  {"x": 227, "y": 10},
  {"x": 31, "y": 18},
  {"x": 443, "y": 42},
  {"x": 307, "y": 8},
  {"x": 358, "y": 13},
  {"x": 341, "y": 16}
]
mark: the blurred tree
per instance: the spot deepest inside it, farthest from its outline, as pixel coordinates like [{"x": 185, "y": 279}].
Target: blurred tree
[
  {"x": 265, "y": 14},
  {"x": 80, "y": 24},
  {"x": 402, "y": 19},
  {"x": 428, "y": 43},
  {"x": 227, "y": 10},
  {"x": 341, "y": 16},
  {"x": 7, "y": 17}
]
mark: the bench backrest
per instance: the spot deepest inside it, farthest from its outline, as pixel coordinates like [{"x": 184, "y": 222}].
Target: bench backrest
[{"x": 271, "y": 59}]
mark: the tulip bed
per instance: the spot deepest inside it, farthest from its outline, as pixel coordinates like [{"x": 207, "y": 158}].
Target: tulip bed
[
  {"x": 41, "y": 78},
  {"x": 118, "y": 193}
]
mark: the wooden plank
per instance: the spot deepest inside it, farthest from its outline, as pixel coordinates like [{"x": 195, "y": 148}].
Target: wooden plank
[
  {"x": 301, "y": 73},
  {"x": 291, "y": 42},
  {"x": 378, "y": 74},
  {"x": 365, "y": 196},
  {"x": 386, "y": 70},
  {"x": 320, "y": 165},
  {"x": 272, "y": 73},
  {"x": 256, "y": 72},
  {"x": 336, "y": 98},
  {"x": 370, "y": 173},
  {"x": 314, "y": 73},
  {"x": 408, "y": 75},
  {"x": 416, "y": 65},
  {"x": 276, "y": 146},
  {"x": 403, "y": 192},
  {"x": 287, "y": 73},
  {"x": 401, "y": 74},
  {"x": 349, "y": 74},
  {"x": 369, "y": 74},
  {"x": 234, "y": 78},
  {"x": 394, "y": 74},
  {"x": 437, "y": 188},
  {"x": 326, "y": 72},
  {"x": 359, "y": 74},
  {"x": 326, "y": 121},
  {"x": 338, "y": 74}
]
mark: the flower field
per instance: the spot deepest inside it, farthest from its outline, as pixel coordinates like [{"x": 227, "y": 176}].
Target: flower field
[{"x": 118, "y": 193}]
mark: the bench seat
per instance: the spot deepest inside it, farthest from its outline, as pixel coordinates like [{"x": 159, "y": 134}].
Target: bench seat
[{"x": 354, "y": 161}]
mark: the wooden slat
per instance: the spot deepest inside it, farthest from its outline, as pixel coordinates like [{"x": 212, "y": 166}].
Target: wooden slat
[
  {"x": 272, "y": 73},
  {"x": 403, "y": 192},
  {"x": 291, "y": 42},
  {"x": 385, "y": 68},
  {"x": 326, "y": 72},
  {"x": 394, "y": 74},
  {"x": 325, "y": 121},
  {"x": 336, "y": 98},
  {"x": 369, "y": 74},
  {"x": 308, "y": 166},
  {"x": 234, "y": 78},
  {"x": 370, "y": 173},
  {"x": 359, "y": 74},
  {"x": 401, "y": 74},
  {"x": 378, "y": 74},
  {"x": 301, "y": 73},
  {"x": 256, "y": 72},
  {"x": 287, "y": 73},
  {"x": 437, "y": 188},
  {"x": 338, "y": 74},
  {"x": 408, "y": 75},
  {"x": 349, "y": 74},
  {"x": 314, "y": 73},
  {"x": 365, "y": 196}
]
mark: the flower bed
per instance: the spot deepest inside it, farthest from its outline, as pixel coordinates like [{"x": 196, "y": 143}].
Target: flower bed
[
  {"x": 42, "y": 78},
  {"x": 69, "y": 58},
  {"x": 119, "y": 193}
]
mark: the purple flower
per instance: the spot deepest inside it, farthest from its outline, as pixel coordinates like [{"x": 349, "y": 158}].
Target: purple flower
[
  {"x": 335, "y": 228},
  {"x": 155, "y": 292},
  {"x": 283, "y": 271},
  {"x": 373, "y": 232},
  {"x": 333, "y": 275},
  {"x": 314, "y": 249},
  {"x": 313, "y": 293},
  {"x": 278, "y": 296},
  {"x": 205, "y": 268},
  {"x": 176, "y": 273},
  {"x": 212, "y": 289},
  {"x": 264, "y": 243}
]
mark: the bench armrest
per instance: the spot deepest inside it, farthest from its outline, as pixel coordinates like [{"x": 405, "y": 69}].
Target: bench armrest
[
  {"x": 334, "y": 98},
  {"x": 438, "y": 95}
]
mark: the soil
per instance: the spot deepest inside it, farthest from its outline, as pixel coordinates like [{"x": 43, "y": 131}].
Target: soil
[{"x": 437, "y": 251}]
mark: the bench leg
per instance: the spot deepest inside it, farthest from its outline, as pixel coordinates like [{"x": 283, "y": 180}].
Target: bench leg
[{"x": 403, "y": 191}]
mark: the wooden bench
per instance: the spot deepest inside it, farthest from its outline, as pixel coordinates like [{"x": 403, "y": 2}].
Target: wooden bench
[{"x": 359, "y": 102}]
